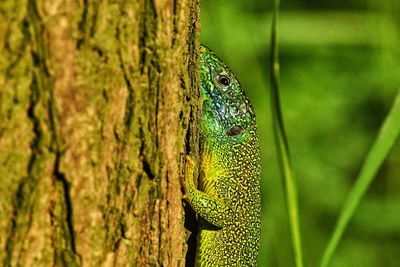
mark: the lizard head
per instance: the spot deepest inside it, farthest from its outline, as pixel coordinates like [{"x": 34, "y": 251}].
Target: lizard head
[{"x": 226, "y": 111}]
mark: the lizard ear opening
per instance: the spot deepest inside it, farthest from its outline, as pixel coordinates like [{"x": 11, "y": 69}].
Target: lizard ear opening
[{"x": 235, "y": 130}]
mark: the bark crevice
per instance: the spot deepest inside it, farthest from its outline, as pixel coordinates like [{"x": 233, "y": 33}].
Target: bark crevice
[{"x": 96, "y": 118}]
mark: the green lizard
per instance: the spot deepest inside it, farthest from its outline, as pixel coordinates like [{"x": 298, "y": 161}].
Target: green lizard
[{"x": 228, "y": 199}]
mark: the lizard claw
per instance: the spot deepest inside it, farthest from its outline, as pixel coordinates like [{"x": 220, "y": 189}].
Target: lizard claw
[
  {"x": 186, "y": 179},
  {"x": 185, "y": 197}
]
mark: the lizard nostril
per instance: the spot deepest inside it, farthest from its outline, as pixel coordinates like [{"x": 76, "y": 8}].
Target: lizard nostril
[{"x": 235, "y": 130}]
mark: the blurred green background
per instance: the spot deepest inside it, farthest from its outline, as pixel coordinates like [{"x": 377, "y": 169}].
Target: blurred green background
[{"x": 340, "y": 72}]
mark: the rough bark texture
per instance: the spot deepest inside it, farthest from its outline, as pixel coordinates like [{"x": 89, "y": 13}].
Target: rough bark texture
[{"x": 96, "y": 98}]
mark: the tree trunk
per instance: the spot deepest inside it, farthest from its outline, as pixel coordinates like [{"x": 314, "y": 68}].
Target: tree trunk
[{"x": 96, "y": 101}]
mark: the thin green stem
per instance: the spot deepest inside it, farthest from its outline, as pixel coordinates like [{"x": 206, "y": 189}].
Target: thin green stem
[
  {"x": 281, "y": 143},
  {"x": 385, "y": 140}
]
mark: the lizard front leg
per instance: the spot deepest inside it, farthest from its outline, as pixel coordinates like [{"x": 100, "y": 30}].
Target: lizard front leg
[{"x": 212, "y": 209}]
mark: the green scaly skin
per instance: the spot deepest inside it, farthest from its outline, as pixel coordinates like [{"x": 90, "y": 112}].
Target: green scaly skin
[{"x": 228, "y": 198}]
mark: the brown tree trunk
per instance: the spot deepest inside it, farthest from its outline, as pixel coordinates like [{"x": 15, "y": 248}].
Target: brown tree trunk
[{"x": 96, "y": 98}]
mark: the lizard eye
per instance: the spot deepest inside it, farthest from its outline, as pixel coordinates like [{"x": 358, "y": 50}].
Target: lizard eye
[
  {"x": 224, "y": 80},
  {"x": 235, "y": 130}
]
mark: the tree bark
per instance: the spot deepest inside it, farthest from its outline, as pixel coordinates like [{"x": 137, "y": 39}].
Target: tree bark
[{"x": 98, "y": 99}]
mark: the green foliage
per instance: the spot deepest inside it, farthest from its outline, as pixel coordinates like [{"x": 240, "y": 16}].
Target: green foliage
[
  {"x": 281, "y": 142},
  {"x": 339, "y": 74},
  {"x": 388, "y": 134}
]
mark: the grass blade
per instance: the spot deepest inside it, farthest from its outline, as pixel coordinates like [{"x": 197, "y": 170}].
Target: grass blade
[
  {"x": 386, "y": 138},
  {"x": 281, "y": 143}
]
